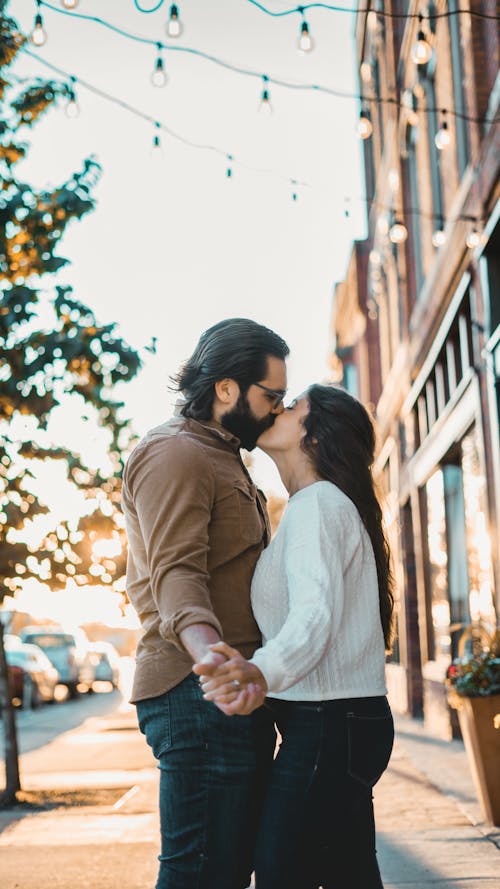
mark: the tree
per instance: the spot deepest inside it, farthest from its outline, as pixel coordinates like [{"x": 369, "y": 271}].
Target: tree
[{"x": 51, "y": 349}]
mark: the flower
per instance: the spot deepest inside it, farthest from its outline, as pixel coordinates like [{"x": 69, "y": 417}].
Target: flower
[{"x": 476, "y": 673}]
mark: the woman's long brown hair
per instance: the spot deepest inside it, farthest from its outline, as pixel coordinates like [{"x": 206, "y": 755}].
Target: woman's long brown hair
[{"x": 340, "y": 440}]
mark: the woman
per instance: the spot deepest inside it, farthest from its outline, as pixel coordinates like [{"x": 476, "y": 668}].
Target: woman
[{"x": 322, "y": 595}]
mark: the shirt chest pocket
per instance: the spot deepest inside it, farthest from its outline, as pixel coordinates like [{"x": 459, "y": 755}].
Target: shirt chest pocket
[{"x": 236, "y": 516}]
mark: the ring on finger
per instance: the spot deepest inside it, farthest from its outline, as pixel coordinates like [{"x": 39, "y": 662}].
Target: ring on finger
[{"x": 236, "y": 683}]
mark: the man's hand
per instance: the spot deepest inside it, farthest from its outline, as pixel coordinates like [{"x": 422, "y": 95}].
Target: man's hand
[
  {"x": 209, "y": 663},
  {"x": 235, "y": 686}
]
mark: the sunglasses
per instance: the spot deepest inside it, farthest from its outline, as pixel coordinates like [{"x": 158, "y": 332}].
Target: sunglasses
[{"x": 278, "y": 394}]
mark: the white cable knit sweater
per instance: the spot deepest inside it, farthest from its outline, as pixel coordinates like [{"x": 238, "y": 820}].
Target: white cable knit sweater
[{"x": 315, "y": 598}]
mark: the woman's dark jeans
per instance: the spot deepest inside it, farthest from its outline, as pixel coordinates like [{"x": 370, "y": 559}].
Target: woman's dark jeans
[
  {"x": 214, "y": 770},
  {"x": 317, "y": 827}
]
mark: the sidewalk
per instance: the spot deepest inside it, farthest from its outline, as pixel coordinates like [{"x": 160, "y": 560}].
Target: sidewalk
[{"x": 429, "y": 827}]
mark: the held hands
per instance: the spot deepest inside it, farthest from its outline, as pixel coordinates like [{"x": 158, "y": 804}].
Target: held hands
[{"x": 230, "y": 681}]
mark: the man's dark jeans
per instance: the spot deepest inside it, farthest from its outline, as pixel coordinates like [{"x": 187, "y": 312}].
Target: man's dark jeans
[
  {"x": 317, "y": 826},
  {"x": 214, "y": 769}
]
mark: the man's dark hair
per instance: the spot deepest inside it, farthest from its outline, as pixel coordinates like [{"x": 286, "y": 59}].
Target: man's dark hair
[{"x": 235, "y": 348}]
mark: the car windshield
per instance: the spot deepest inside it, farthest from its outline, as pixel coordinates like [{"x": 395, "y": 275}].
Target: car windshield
[{"x": 51, "y": 640}]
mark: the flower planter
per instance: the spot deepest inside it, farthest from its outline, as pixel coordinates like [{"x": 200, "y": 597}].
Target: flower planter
[{"x": 482, "y": 743}]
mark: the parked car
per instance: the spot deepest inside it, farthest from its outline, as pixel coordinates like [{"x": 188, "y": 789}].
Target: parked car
[
  {"x": 106, "y": 661},
  {"x": 68, "y": 652},
  {"x": 32, "y": 675}
]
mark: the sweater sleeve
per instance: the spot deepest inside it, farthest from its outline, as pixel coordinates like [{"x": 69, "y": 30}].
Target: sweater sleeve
[{"x": 313, "y": 567}]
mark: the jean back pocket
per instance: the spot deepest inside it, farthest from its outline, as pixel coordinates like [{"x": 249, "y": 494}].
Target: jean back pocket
[
  {"x": 154, "y": 722},
  {"x": 370, "y": 741}
]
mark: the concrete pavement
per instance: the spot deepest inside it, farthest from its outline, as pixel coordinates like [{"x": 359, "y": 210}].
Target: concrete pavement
[{"x": 429, "y": 828}]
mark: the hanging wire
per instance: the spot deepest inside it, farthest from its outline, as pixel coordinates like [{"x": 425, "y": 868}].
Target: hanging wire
[
  {"x": 147, "y": 11},
  {"x": 362, "y": 9},
  {"x": 329, "y": 7},
  {"x": 232, "y": 160},
  {"x": 259, "y": 75},
  {"x": 137, "y": 112}
]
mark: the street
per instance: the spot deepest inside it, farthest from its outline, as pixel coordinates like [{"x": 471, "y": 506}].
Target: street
[{"x": 93, "y": 819}]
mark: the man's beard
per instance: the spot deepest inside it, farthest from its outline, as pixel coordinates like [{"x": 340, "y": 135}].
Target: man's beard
[{"x": 242, "y": 423}]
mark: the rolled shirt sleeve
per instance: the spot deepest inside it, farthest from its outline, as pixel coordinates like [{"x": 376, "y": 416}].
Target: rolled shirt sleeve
[{"x": 170, "y": 485}]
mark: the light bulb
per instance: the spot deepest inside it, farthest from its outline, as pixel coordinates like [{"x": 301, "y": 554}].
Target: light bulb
[
  {"x": 422, "y": 50},
  {"x": 69, "y": 4},
  {"x": 265, "y": 103},
  {"x": 474, "y": 239},
  {"x": 38, "y": 36},
  {"x": 398, "y": 232},
  {"x": 393, "y": 179},
  {"x": 438, "y": 238},
  {"x": 156, "y": 152},
  {"x": 365, "y": 126},
  {"x": 305, "y": 42},
  {"x": 174, "y": 24},
  {"x": 371, "y": 21},
  {"x": 442, "y": 138},
  {"x": 72, "y": 109},
  {"x": 366, "y": 72},
  {"x": 159, "y": 77}
]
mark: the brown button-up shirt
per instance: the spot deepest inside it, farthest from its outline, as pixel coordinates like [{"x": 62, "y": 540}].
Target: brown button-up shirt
[{"x": 196, "y": 525}]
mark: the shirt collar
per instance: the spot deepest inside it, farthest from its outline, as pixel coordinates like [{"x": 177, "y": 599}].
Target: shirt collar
[{"x": 215, "y": 428}]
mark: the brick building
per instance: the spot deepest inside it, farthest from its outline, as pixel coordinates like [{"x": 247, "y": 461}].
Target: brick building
[{"x": 416, "y": 323}]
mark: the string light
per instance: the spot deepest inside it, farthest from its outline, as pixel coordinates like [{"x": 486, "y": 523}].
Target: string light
[
  {"x": 142, "y": 115},
  {"x": 361, "y": 10},
  {"x": 72, "y": 109},
  {"x": 439, "y": 234},
  {"x": 305, "y": 43},
  {"x": 156, "y": 138},
  {"x": 398, "y": 232},
  {"x": 422, "y": 50},
  {"x": 365, "y": 126},
  {"x": 365, "y": 72},
  {"x": 265, "y": 106},
  {"x": 475, "y": 238},
  {"x": 159, "y": 77},
  {"x": 69, "y": 4},
  {"x": 174, "y": 24},
  {"x": 442, "y": 138},
  {"x": 293, "y": 85},
  {"x": 38, "y": 35}
]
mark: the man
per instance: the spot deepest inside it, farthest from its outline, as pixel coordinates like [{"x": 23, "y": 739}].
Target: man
[{"x": 196, "y": 526}]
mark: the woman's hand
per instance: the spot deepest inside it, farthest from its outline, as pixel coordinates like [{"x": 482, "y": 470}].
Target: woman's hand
[{"x": 235, "y": 686}]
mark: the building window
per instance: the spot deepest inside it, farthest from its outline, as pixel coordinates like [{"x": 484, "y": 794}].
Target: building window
[
  {"x": 478, "y": 539},
  {"x": 434, "y": 154},
  {"x": 414, "y": 201},
  {"x": 490, "y": 273},
  {"x": 457, "y": 68},
  {"x": 458, "y": 552}
]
